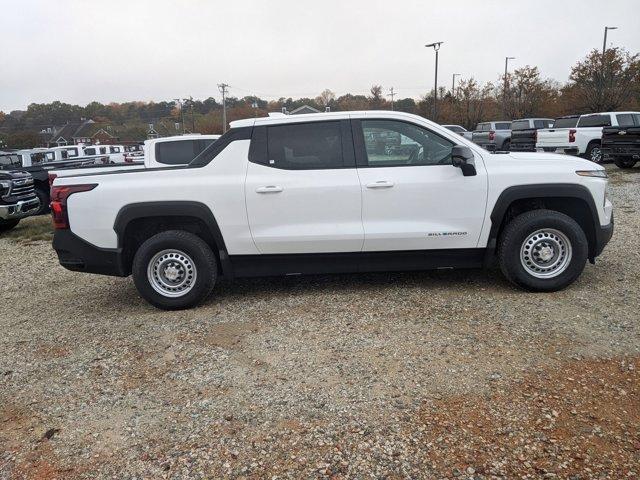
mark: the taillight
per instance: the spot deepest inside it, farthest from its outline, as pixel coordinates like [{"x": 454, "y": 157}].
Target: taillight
[
  {"x": 492, "y": 135},
  {"x": 59, "y": 196},
  {"x": 52, "y": 177},
  {"x": 572, "y": 135}
]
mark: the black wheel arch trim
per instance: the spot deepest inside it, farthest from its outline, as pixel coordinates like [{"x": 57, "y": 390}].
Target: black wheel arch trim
[
  {"x": 548, "y": 190},
  {"x": 135, "y": 211}
]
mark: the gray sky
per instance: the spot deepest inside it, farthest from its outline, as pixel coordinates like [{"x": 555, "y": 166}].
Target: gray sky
[{"x": 78, "y": 51}]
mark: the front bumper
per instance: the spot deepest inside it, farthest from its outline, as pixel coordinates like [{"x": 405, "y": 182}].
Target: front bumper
[
  {"x": 622, "y": 152},
  {"x": 20, "y": 209},
  {"x": 603, "y": 235},
  {"x": 80, "y": 256}
]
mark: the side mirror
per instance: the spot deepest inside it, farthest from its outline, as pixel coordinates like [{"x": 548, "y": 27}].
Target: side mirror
[{"x": 462, "y": 158}]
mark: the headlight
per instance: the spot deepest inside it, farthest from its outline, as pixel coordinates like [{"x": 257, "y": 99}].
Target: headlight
[
  {"x": 4, "y": 187},
  {"x": 592, "y": 173}
]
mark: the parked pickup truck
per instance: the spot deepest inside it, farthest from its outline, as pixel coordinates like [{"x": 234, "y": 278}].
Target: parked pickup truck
[
  {"x": 584, "y": 139},
  {"x": 524, "y": 133},
  {"x": 17, "y": 198},
  {"x": 460, "y": 130},
  {"x": 622, "y": 144},
  {"x": 39, "y": 162},
  {"x": 493, "y": 136},
  {"x": 290, "y": 195},
  {"x": 160, "y": 152}
]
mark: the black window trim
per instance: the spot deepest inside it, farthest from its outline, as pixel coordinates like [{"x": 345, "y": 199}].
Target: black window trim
[
  {"x": 259, "y": 152},
  {"x": 361, "y": 151}
]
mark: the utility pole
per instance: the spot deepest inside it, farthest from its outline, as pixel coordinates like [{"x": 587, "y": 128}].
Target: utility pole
[
  {"x": 436, "y": 47},
  {"x": 193, "y": 122},
  {"x": 223, "y": 89},
  {"x": 391, "y": 94},
  {"x": 504, "y": 94},
  {"x": 181, "y": 112},
  {"x": 453, "y": 84}
]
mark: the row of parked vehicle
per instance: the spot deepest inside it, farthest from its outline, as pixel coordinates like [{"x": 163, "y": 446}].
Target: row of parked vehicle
[
  {"x": 597, "y": 137},
  {"x": 26, "y": 175}
]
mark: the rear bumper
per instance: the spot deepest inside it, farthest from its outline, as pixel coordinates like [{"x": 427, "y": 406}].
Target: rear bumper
[
  {"x": 568, "y": 150},
  {"x": 522, "y": 147},
  {"x": 80, "y": 256},
  {"x": 20, "y": 209}
]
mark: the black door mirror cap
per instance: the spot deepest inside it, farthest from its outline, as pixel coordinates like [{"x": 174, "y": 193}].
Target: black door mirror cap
[{"x": 462, "y": 157}]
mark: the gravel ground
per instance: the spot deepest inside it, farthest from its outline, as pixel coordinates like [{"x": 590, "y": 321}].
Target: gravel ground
[{"x": 416, "y": 375}]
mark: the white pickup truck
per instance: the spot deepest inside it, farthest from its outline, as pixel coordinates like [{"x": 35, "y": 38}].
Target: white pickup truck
[
  {"x": 334, "y": 192},
  {"x": 579, "y": 135}
]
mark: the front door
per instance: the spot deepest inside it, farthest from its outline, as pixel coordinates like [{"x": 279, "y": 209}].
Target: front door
[
  {"x": 302, "y": 189},
  {"x": 413, "y": 198}
]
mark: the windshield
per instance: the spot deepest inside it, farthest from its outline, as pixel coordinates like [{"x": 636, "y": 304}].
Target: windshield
[
  {"x": 565, "y": 122},
  {"x": 503, "y": 126},
  {"x": 628, "y": 119},
  {"x": 10, "y": 160}
]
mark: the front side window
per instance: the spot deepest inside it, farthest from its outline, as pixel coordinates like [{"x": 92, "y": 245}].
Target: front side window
[
  {"x": 595, "y": 121},
  {"x": 103, "y": 150},
  {"x": 390, "y": 143},
  {"x": 308, "y": 146}
]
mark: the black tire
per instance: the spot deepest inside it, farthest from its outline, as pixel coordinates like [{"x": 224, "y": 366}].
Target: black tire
[
  {"x": 520, "y": 229},
  {"x": 506, "y": 146},
  {"x": 624, "y": 162},
  {"x": 203, "y": 267},
  {"x": 43, "y": 196},
  {"x": 6, "y": 225},
  {"x": 594, "y": 152}
]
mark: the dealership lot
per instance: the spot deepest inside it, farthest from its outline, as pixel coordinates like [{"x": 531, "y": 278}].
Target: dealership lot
[{"x": 447, "y": 374}]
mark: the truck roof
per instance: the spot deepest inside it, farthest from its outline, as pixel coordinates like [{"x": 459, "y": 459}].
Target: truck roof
[{"x": 317, "y": 117}]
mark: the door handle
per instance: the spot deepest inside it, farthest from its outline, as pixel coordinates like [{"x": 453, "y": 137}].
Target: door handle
[
  {"x": 269, "y": 189},
  {"x": 380, "y": 184}
]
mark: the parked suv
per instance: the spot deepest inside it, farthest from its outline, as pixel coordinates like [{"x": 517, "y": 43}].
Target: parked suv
[
  {"x": 493, "y": 135},
  {"x": 17, "y": 198},
  {"x": 333, "y": 192}
]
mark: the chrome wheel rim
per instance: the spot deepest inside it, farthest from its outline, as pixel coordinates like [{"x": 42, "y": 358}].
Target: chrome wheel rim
[
  {"x": 172, "y": 273},
  {"x": 546, "y": 253},
  {"x": 596, "y": 155}
]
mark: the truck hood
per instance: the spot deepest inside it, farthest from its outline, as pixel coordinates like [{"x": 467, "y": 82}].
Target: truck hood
[{"x": 551, "y": 159}]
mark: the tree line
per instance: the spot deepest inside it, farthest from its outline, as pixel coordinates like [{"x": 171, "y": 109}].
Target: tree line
[{"x": 597, "y": 83}]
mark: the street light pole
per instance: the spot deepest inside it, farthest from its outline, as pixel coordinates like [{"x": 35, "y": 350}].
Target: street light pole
[
  {"x": 181, "y": 113},
  {"x": 436, "y": 47},
  {"x": 453, "y": 84},
  {"x": 504, "y": 94},
  {"x": 604, "y": 43}
]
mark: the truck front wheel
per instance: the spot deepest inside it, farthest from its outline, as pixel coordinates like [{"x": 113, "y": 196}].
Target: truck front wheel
[
  {"x": 542, "y": 250},
  {"x": 6, "y": 225},
  {"x": 174, "y": 270},
  {"x": 625, "y": 162}
]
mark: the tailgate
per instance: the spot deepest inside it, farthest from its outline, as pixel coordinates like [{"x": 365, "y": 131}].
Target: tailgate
[
  {"x": 553, "y": 137},
  {"x": 480, "y": 137}
]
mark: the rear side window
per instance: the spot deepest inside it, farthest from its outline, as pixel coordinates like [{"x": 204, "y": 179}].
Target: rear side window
[
  {"x": 565, "y": 122},
  {"x": 520, "y": 125},
  {"x": 307, "y": 146},
  {"x": 503, "y": 125},
  {"x": 628, "y": 119},
  {"x": 594, "y": 121}
]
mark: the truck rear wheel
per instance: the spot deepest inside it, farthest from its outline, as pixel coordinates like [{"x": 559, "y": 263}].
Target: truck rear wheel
[
  {"x": 594, "y": 152},
  {"x": 6, "y": 225},
  {"x": 542, "y": 250},
  {"x": 174, "y": 270},
  {"x": 625, "y": 162}
]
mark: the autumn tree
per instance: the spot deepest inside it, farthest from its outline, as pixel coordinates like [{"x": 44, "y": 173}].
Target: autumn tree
[
  {"x": 604, "y": 82},
  {"x": 326, "y": 98},
  {"x": 527, "y": 94}
]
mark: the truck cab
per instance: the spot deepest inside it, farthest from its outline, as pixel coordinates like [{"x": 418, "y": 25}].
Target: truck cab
[{"x": 493, "y": 136}]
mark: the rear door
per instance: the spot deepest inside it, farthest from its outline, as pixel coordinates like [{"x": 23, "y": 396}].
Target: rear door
[
  {"x": 302, "y": 189},
  {"x": 413, "y": 198}
]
